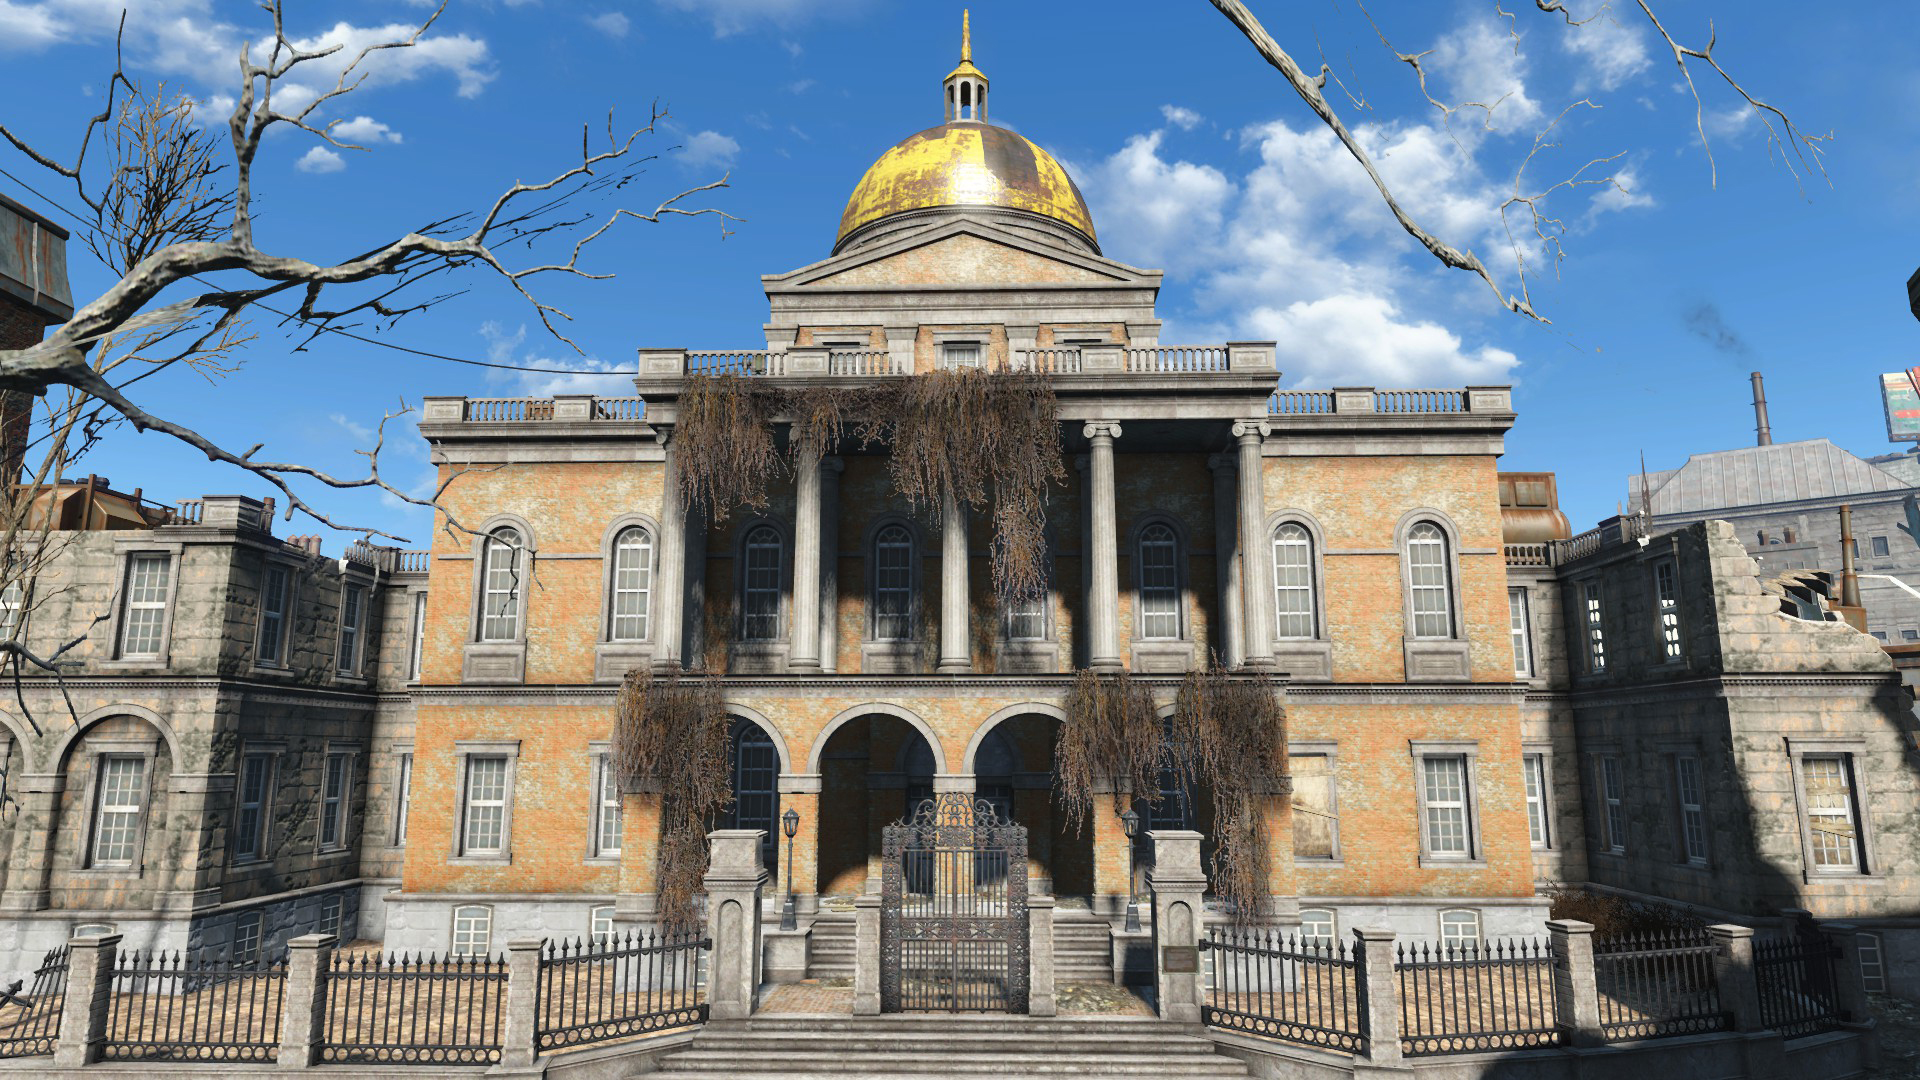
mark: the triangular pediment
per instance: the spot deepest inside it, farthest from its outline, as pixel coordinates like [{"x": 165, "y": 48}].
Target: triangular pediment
[{"x": 962, "y": 254}]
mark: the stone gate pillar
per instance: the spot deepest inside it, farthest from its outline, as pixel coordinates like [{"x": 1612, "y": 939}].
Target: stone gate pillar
[
  {"x": 734, "y": 882},
  {"x": 1178, "y": 887}
]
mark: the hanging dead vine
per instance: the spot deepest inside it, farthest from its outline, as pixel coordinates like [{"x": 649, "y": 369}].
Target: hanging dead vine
[
  {"x": 670, "y": 735},
  {"x": 1112, "y": 737},
  {"x": 1230, "y": 733},
  {"x": 723, "y": 444}
]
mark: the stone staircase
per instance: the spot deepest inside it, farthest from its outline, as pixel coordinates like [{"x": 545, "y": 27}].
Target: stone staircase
[
  {"x": 1082, "y": 947},
  {"x": 913, "y": 1046},
  {"x": 830, "y": 946}
]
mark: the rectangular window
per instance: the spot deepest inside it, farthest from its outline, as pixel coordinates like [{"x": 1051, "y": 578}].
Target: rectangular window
[
  {"x": 600, "y": 924},
  {"x": 352, "y": 613},
  {"x": 1613, "y": 816},
  {"x": 1459, "y": 931},
  {"x": 1910, "y": 634},
  {"x": 1027, "y": 618},
  {"x": 1880, "y": 549},
  {"x": 246, "y": 940},
  {"x": 1596, "y": 636},
  {"x": 419, "y": 636},
  {"x": 962, "y": 354},
  {"x": 11, "y": 608},
  {"x": 472, "y": 930},
  {"x": 1833, "y": 821},
  {"x": 405, "y": 793},
  {"x": 256, "y": 774},
  {"x": 118, "y": 809},
  {"x": 1880, "y": 635},
  {"x": 1520, "y": 626},
  {"x": 1159, "y": 584},
  {"x": 1314, "y": 822},
  {"x": 145, "y": 616},
  {"x": 1692, "y": 798},
  {"x": 333, "y": 800},
  {"x": 1444, "y": 786},
  {"x": 273, "y": 616},
  {"x": 606, "y": 831},
  {"x": 1533, "y": 768},
  {"x": 500, "y": 587},
  {"x": 331, "y": 910},
  {"x": 1666, "y": 590},
  {"x": 484, "y": 829}
]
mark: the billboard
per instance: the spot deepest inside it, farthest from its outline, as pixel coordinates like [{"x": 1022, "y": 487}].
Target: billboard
[{"x": 1901, "y": 393}]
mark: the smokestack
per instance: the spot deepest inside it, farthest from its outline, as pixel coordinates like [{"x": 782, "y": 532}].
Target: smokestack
[
  {"x": 1760, "y": 427},
  {"x": 1849, "y": 578}
]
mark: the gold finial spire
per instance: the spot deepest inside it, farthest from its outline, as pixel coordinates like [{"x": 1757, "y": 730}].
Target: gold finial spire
[{"x": 966, "y": 35}]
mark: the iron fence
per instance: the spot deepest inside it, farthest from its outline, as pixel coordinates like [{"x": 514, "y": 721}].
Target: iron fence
[
  {"x": 30, "y": 1022},
  {"x": 1658, "y": 984},
  {"x": 1301, "y": 989},
  {"x": 623, "y": 985},
  {"x": 166, "y": 1006},
  {"x": 1489, "y": 995},
  {"x": 414, "y": 1009},
  {"x": 1794, "y": 976}
]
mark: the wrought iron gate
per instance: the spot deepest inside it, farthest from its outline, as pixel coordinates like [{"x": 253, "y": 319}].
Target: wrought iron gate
[{"x": 953, "y": 913}]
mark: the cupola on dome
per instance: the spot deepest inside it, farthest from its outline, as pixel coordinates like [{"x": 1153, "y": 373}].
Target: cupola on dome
[{"x": 966, "y": 162}]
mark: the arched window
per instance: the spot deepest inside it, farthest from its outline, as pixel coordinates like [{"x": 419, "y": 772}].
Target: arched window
[
  {"x": 1317, "y": 928},
  {"x": 1428, "y": 578},
  {"x": 1460, "y": 930},
  {"x": 760, "y": 586},
  {"x": 756, "y": 802},
  {"x": 1159, "y": 583},
  {"x": 1295, "y": 611},
  {"x": 472, "y": 930},
  {"x": 632, "y": 584},
  {"x": 893, "y": 584},
  {"x": 500, "y": 582}
]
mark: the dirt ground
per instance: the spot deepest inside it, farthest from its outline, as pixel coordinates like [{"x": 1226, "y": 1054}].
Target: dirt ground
[{"x": 1899, "y": 1022}]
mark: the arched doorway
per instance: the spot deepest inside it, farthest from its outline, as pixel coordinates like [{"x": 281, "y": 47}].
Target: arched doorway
[
  {"x": 755, "y": 765},
  {"x": 873, "y": 768},
  {"x": 1012, "y": 765}
]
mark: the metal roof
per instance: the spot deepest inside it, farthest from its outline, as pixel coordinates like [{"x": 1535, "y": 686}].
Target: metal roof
[{"x": 1758, "y": 475}]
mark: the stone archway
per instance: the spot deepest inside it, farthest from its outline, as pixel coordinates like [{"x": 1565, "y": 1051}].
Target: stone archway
[{"x": 871, "y": 763}]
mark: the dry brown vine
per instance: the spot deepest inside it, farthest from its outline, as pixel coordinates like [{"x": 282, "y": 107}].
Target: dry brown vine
[
  {"x": 723, "y": 444},
  {"x": 670, "y": 734},
  {"x": 1230, "y": 732},
  {"x": 1112, "y": 737}
]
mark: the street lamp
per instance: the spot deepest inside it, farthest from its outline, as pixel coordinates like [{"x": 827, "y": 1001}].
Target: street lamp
[
  {"x": 1130, "y": 823},
  {"x": 789, "y": 824}
]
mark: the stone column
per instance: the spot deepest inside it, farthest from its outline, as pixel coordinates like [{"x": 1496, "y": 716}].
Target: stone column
[
  {"x": 520, "y": 1019},
  {"x": 866, "y": 955},
  {"x": 1178, "y": 887},
  {"x": 956, "y": 651},
  {"x": 303, "y": 1014},
  {"x": 806, "y": 564},
  {"x": 639, "y": 897},
  {"x": 1733, "y": 973},
  {"x": 830, "y": 470},
  {"x": 800, "y": 792},
  {"x": 1103, "y": 603},
  {"x": 83, "y": 1018},
  {"x": 1256, "y": 584},
  {"x": 1380, "y": 987},
  {"x": 693, "y": 592},
  {"x": 1576, "y": 992},
  {"x": 33, "y": 837},
  {"x": 1226, "y": 546},
  {"x": 673, "y": 557},
  {"x": 1040, "y": 995},
  {"x": 734, "y": 883}
]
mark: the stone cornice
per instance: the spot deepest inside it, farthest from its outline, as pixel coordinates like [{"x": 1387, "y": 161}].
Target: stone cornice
[
  {"x": 1740, "y": 685},
  {"x": 209, "y": 683}
]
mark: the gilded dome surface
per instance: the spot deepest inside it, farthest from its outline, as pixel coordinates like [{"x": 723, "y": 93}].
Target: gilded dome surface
[{"x": 966, "y": 163}]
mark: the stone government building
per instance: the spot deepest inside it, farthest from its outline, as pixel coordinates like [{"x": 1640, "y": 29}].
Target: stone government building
[{"x": 413, "y": 746}]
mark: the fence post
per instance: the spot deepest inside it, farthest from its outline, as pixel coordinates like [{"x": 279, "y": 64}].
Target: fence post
[
  {"x": 1379, "y": 993},
  {"x": 520, "y": 1021},
  {"x": 735, "y": 879},
  {"x": 303, "y": 1013},
  {"x": 1576, "y": 990},
  {"x": 866, "y": 955},
  {"x": 1040, "y": 999},
  {"x": 83, "y": 1019},
  {"x": 1178, "y": 887},
  {"x": 1733, "y": 973}
]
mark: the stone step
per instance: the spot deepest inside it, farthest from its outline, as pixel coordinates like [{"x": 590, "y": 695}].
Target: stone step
[
  {"x": 937, "y": 1042},
  {"x": 963, "y": 1025},
  {"x": 953, "y": 1062}
]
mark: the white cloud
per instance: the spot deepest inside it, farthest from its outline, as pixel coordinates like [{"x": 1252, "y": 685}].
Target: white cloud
[
  {"x": 1366, "y": 338},
  {"x": 580, "y": 376},
  {"x": 28, "y": 27},
  {"x": 320, "y": 160},
  {"x": 1731, "y": 124},
  {"x": 1151, "y": 208},
  {"x": 734, "y": 16},
  {"x": 1183, "y": 118},
  {"x": 1625, "y": 193},
  {"x": 1613, "y": 51},
  {"x": 710, "y": 148},
  {"x": 365, "y": 129},
  {"x": 1481, "y": 62},
  {"x": 613, "y": 24},
  {"x": 800, "y": 86}
]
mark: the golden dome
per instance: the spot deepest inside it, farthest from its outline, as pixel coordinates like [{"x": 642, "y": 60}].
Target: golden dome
[{"x": 965, "y": 163}]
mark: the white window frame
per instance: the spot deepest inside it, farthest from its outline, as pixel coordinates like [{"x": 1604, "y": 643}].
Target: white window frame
[
  {"x": 1418, "y": 548},
  {"x": 503, "y": 596},
  {"x": 163, "y": 628},
  {"x": 13, "y": 607},
  {"x": 1690, "y": 800},
  {"x": 606, "y": 806},
  {"x": 246, "y": 939},
  {"x": 1520, "y": 630},
  {"x": 403, "y": 794},
  {"x": 963, "y": 354},
  {"x": 273, "y": 622},
  {"x": 631, "y": 574},
  {"x": 1538, "y": 789},
  {"x": 471, "y": 933},
  {"x": 893, "y": 537},
  {"x": 1312, "y": 922},
  {"x": 418, "y": 638},
  {"x": 468, "y": 753},
  {"x": 1468, "y": 755},
  {"x": 1452, "y": 921},
  {"x": 351, "y": 643},
  {"x": 260, "y": 808},
  {"x": 1147, "y": 625},
  {"x": 1610, "y": 782},
  {"x": 1666, "y": 603},
  {"x": 1849, "y": 753},
  {"x": 600, "y": 925},
  {"x": 336, "y": 806},
  {"x": 333, "y": 910},
  {"x": 1303, "y": 590},
  {"x": 97, "y": 819},
  {"x": 1594, "y": 609}
]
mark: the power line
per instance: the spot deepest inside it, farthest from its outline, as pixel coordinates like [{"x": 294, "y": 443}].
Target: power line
[{"x": 428, "y": 353}]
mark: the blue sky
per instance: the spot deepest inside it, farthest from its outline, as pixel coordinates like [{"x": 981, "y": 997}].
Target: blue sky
[{"x": 1192, "y": 152}]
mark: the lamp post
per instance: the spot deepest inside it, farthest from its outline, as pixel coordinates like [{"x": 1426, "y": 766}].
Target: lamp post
[
  {"x": 789, "y": 824},
  {"x": 1130, "y": 824}
]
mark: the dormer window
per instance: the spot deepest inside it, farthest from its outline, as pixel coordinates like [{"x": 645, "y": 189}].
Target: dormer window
[{"x": 961, "y": 354}]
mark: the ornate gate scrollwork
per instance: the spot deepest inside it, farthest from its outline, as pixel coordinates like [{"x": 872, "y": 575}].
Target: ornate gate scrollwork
[{"x": 953, "y": 910}]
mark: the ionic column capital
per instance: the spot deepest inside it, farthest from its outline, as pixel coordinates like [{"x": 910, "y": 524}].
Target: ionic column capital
[
  {"x": 1250, "y": 429},
  {"x": 1096, "y": 429}
]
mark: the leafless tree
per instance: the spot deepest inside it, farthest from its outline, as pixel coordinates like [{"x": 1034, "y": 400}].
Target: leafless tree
[{"x": 1528, "y": 224}]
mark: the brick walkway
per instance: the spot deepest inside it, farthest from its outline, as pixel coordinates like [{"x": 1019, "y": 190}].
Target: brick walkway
[{"x": 834, "y": 997}]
